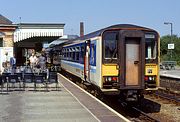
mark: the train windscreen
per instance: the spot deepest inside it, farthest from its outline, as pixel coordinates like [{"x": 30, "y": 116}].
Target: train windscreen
[
  {"x": 150, "y": 47},
  {"x": 110, "y": 45}
]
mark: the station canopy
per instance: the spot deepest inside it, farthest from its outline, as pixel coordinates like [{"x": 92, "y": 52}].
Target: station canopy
[{"x": 38, "y": 32}]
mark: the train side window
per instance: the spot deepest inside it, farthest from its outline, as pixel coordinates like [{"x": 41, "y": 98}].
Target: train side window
[
  {"x": 70, "y": 54},
  {"x": 92, "y": 54},
  {"x": 64, "y": 53},
  {"x": 77, "y": 53},
  {"x": 77, "y": 56},
  {"x": 73, "y": 54},
  {"x": 67, "y": 53},
  {"x": 82, "y": 54},
  {"x": 150, "y": 49}
]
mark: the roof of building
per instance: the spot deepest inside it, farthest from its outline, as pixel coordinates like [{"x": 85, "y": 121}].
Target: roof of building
[
  {"x": 4, "y": 20},
  {"x": 41, "y": 25}
]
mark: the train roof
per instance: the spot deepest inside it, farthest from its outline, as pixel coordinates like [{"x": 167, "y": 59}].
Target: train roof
[
  {"x": 99, "y": 32},
  {"x": 118, "y": 26}
]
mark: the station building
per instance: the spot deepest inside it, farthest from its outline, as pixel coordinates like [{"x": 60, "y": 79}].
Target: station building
[{"x": 24, "y": 38}]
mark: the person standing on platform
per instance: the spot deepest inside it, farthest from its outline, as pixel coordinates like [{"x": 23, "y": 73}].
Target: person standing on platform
[
  {"x": 33, "y": 60},
  {"x": 42, "y": 62},
  {"x": 13, "y": 63}
]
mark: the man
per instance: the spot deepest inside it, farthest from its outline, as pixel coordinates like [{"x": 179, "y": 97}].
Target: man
[
  {"x": 33, "y": 60},
  {"x": 42, "y": 62},
  {"x": 13, "y": 63}
]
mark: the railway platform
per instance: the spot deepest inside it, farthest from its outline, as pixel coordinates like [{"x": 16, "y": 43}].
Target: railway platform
[
  {"x": 171, "y": 73},
  {"x": 68, "y": 104}
]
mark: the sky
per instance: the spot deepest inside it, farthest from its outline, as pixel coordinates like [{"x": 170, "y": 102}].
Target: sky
[{"x": 95, "y": 14}]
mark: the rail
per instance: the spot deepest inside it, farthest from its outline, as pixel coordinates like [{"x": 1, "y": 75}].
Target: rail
[{"x": 143, "y": 116}]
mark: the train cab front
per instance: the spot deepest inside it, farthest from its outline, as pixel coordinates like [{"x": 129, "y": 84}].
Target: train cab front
[
  {"x": 123, "y": 62},
  {"x": 151, "y": 77},
  {"x": 130, "y": 62}
]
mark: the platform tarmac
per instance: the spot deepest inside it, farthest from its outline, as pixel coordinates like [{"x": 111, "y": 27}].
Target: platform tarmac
[
  {"x": 171, "y": 73},
  {"x": 69, "y": 104}
]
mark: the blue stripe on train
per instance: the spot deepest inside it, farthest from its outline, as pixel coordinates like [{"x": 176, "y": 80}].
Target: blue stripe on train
[{"x": 78, "y": 65}]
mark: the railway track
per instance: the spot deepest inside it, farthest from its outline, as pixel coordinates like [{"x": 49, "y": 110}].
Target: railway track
[
  {"x": 132, "y": 112},
  {"x": 168, "y": 90},
  {"x": 167, "y": 95},
  {"x": 143, "y": 117}
]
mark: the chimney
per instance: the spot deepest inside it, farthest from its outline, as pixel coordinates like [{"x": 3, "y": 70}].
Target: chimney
[{"x": 81, "y": 29}]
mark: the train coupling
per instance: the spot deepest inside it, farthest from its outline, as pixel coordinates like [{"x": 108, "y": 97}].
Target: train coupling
[{"x": 132, "y": 95}]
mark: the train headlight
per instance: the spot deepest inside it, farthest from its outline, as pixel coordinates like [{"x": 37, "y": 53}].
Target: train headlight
[
  {"x": 109, "y": 78},
  {"x": 150, "y": 78},
  {"x": 106, "y": 79}
]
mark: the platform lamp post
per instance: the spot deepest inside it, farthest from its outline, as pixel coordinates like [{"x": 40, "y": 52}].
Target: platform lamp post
[{"x": 171, "y": 45}]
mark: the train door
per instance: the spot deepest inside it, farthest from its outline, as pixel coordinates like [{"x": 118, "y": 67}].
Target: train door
[
  {"x": 132, "y": 49},
  {"x": 87, "y": 61},
  {"x": 132, "y": 59}
]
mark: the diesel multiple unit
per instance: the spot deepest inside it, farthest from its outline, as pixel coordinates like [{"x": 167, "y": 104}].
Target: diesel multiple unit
[{"x": 121, "y": 59}]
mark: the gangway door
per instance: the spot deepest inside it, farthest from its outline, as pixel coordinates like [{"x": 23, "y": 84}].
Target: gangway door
[
  {"x": 132, "y": 63},
  {"x": 87, "y": 61}
]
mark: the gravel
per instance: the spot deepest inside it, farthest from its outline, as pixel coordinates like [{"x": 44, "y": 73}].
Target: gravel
[{"x": 163, "y": 110}]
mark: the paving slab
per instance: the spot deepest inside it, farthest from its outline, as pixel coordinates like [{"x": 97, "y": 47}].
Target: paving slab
[{"x": 38, "y": 106}]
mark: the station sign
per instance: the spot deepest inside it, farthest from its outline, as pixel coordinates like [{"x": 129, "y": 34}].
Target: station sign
[
  {"x": 5, "y": 54},
  {"x": 171, "y": 46}
]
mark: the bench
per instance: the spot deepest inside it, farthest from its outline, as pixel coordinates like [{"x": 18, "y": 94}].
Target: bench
[{"x": 168, "y": 65}]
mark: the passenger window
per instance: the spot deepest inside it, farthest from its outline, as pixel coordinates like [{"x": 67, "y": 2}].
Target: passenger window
[
  {"x": 77, "y": 56},
  {"x": 92, "y": 53},
  {"x": 65, "y": 53},
  {"x": 82, "y": 54},
  {"x": 77, "y": 53},
  {"x": 73, "y": 56}
]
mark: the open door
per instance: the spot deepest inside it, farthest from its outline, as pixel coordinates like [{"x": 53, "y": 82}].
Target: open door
[
  {"x": 87, "y": 61},
  {"x": 132, "y": 59}
]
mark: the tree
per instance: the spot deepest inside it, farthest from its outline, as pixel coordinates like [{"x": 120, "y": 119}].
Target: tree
[{"x": 166, "y": 53}]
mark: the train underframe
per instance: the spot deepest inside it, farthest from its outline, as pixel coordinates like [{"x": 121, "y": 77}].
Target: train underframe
[{"x": 127, "y": 95}]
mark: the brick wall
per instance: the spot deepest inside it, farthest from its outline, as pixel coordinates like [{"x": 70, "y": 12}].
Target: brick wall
[{"x": 8, "y": 39}]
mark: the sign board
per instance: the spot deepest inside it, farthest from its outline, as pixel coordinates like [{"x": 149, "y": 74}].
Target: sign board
[
  {"x": 170, "y": 46},
  {"x": 5, "y": 54}
]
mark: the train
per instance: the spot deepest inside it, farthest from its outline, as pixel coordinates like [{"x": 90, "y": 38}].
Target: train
[{"x": 121, "y": 60}]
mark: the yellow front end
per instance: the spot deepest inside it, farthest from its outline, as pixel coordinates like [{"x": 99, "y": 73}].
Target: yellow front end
[
  {"x": 110, "y": 76},
  {"x": 151, "y": 76}
]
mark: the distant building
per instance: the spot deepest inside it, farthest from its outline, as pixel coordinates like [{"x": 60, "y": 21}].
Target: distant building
[
  {"x": 6, "y": 32},
  {"x": 23, "y": 38}
]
